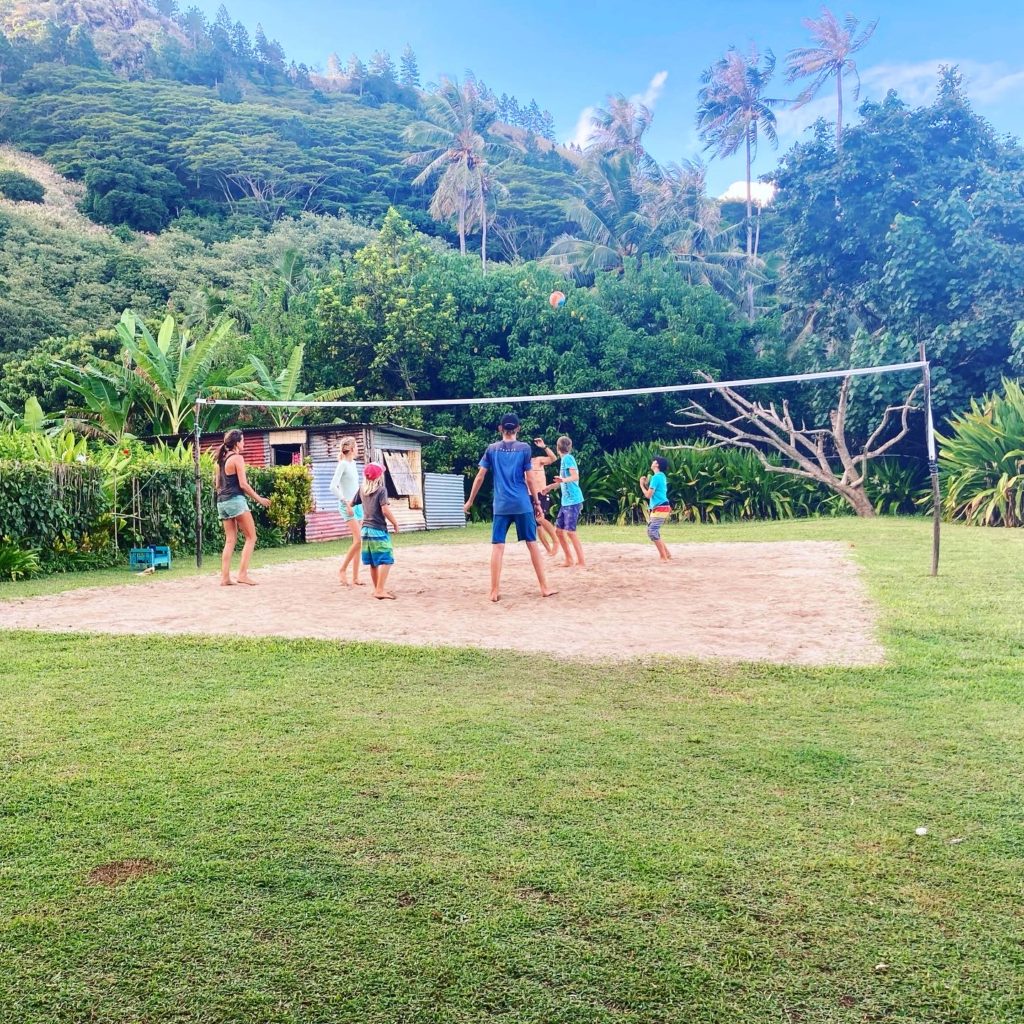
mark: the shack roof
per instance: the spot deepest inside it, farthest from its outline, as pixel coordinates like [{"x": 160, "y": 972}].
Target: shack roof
[{"x": 328, "y": 428}]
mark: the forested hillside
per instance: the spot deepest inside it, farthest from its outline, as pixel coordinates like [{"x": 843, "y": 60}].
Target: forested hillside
[{"x": 401, "y": 238}]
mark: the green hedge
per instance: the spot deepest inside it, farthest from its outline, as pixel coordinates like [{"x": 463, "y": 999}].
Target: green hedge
[{"x": 75, "y": 516}]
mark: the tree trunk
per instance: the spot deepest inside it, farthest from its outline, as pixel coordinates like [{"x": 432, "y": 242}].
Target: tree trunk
[
  {"x": 750, "y": 239},
  {"x": 858, "y": 501},
  {"x": 483, "y": 231},
  {"x": 463, "y": 200},
  {"x": 839, "y": 115}
]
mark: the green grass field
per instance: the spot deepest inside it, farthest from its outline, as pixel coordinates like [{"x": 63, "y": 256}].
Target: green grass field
[{"x": 383, "y": 834}]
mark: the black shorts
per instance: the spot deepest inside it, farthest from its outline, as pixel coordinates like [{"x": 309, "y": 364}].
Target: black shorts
[{"x": 544, "y": 500}]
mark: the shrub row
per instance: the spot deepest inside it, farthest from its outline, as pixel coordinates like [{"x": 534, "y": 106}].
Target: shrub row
[{"x": 78, "y": 516}]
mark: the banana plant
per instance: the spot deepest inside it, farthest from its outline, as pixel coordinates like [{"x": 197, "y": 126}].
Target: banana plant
[
  {"x": 172, "y": 367},
  {"x": 110, "y": 391},
  {"x": 264, "y": 386}
]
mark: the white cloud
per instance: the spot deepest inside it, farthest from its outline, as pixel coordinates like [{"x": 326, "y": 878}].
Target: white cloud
[
  {"x": 762, "y": 193},
  {"x": 649, "y": 98},
  {"x": 584, "y": 128},
  {"x": 915, "y": 83}
]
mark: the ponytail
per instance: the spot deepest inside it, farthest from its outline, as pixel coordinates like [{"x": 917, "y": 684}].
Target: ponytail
[{"x": 231, "y": 438}]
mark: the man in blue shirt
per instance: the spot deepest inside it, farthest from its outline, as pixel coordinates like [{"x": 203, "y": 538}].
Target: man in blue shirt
[{"x": 515, "y": 501}]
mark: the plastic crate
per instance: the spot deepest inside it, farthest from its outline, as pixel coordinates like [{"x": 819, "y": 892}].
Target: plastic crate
[{"x": 156, "y": 556}]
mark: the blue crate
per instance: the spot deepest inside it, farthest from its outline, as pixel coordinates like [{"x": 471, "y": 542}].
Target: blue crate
[
  {"x": 156, "y": 556},
  {"x": 140, "y": 558},
  {"x": 161, "y": 556}
]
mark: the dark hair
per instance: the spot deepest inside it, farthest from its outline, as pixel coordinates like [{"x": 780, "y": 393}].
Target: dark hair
[
  {"x": 662, "y": 463},
  {"x": 231, "y": 439}
]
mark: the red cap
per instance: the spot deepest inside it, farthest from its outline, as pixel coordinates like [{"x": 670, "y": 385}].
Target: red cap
[{"x": 373, "y": 470}]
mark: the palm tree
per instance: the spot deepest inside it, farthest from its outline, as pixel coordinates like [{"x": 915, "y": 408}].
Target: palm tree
[
  {"x": 620, "y": 127},
  {"x": 284, "y": 387},
  {"x": 732, "y": 112},
  {"x": 690, "y": 227},
  {"x": 830, "y": 58},
  {"x": 612, "y": 218},
  {"x": 453, "y": 143}
]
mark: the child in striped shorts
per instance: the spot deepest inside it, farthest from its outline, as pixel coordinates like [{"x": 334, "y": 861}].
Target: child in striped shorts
[
  {"x": 377, "y": 551},
  {"x": 655, "y": 491}
]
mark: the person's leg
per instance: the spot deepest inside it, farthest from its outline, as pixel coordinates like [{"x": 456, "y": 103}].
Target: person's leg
[
  {"x": 663, "y": 550},
  {"x": 577, "y": 547},
  {"x": 549, "y": 538},
  {"x": 248, "y": 528},
  {"x": 354, "y": 553},
  {"x": 538, "y": 567},
  {"x": 230, "y": 540},
  {"x": 497, "y": 557},
  {"x": 380, "y": 590}
]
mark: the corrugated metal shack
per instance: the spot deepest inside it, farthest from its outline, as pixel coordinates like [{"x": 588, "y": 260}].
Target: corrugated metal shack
[{"x": 417, "y": 504}]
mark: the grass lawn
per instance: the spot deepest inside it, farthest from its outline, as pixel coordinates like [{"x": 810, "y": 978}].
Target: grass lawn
[{"x": 372, "y": 834}]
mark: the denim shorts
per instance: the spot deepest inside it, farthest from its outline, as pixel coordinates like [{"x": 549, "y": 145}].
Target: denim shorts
[
  {"x": 568, "y": 517},
  {"x": 232, "y": 508},
  {"x": 526, "y": 527}
]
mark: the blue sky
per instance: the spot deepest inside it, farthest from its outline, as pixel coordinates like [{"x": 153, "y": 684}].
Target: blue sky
[{"x": 569, "y": 56}]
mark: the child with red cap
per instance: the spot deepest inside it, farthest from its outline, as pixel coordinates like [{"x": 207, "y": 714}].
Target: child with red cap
[{"x": 377, "y": 550}]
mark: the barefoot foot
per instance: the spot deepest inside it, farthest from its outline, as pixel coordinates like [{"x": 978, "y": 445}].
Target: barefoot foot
[
  {"x": 548, "y": 592},
  {"x": 384, "y": 595},
  {"x": 495, "y": 596},
  {"x": 247, "y": 581},
  {"x": 227, "y": 583}
]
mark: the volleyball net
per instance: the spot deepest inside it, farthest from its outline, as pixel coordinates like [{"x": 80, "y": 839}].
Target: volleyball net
[{"x": 921, "y": 365}]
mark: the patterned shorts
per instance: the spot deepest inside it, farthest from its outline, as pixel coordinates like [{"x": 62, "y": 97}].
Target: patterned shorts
[
  {"x": 568, "y": 517},
  {"x": 659, "y": 515},
  {"x": 377, "y": 548}
]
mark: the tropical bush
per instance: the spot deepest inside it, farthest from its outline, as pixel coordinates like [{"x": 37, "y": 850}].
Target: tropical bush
[
  {"x": 983, "y": 460},
  {"x": 16, "y": 563}
]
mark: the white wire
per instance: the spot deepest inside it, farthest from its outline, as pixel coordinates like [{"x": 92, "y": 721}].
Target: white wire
[{"x": 520, "y": 399}]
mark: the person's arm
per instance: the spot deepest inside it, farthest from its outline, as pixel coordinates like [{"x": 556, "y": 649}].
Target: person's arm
[
  {"x": 549, "y": 456},
  {"x": 244, "y": 483},
  {"x": 648, "y": 491},
  {"x": 531, "y": 486},
  {"x": 478, "y": 482},
  {"x": 389, "y": 516},
  {"x": 335, "y": 485}
]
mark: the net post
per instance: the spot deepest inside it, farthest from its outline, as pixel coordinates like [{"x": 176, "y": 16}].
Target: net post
[
  {"x": 933, "y": 461},
  {"x": 198, "y": 484}
]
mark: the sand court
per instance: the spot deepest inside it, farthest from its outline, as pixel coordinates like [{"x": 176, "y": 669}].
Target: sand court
[{"x": 788, "y": 602}]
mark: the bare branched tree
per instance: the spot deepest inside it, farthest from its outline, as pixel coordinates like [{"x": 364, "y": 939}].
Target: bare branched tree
[{"x": 811, "y": 453}]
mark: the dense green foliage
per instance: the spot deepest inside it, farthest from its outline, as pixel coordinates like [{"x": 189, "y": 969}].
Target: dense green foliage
[
  {"x": 79, "y": 505},
  {"x": 983, "y": 460},
  {"x": 913, "y": 232},
  {"x": 241, "y": 191},
  {"x": 20, "y": 188}
]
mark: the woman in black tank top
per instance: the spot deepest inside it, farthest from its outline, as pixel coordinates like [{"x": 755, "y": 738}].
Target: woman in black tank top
[{"x": 232, "y": 508}]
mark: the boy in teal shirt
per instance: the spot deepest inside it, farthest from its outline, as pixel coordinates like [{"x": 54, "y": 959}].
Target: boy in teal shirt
[
  {"x": 572, "y": 503},
  {"x": 655, "y": 491}
]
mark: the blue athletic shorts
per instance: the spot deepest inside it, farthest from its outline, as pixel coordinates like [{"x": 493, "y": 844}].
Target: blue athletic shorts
[
  {"x": 568, "y": 517},
  {"x": 526, "y": 527}
]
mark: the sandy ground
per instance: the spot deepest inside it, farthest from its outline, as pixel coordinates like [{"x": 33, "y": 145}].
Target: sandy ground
[{"x": 789, "y": 602}]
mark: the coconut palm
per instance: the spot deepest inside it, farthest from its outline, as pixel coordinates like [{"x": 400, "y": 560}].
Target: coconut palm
[
  {"x": 612, "y": 218},
  {"x": 620, "y": 127},
  {"x": 454, "y": 146},
  {"x": 733, "y": 113},
  {"x": 690, "y": 227},
  {"x": 831, "y": 57}
]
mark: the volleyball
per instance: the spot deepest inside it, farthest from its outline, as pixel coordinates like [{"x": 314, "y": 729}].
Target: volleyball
[{"x": 557, "y": 300}]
